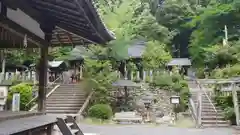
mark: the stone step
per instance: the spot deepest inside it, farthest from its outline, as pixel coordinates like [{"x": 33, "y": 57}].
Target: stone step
[
  {"x": 207, "y": 117},
  {"x": 210, "y": 110},
  {"x": 212, "y": 114},
  {"x": 65, "y": 102},
  {"x": 66, "y": 96},
  {"x": 62, "y": 111},
  {"x": 64, "y": 105},
  {"x": 70, "y": 87},
  {"x": 70, "y": 90},
  {"x": 69, "y": 93},
  {"x": 208, "y": 103},
  {"x": 214, "y": 125},
  {"x": 66, "y": 99},
  {"x": 214, "y": 122},
  {"x": 62, "y": 108}
]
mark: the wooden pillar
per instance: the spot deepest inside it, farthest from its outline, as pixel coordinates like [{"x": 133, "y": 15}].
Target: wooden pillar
[
  {"x": 42, "y": 79},
  {"x": 43, "y": 66}
]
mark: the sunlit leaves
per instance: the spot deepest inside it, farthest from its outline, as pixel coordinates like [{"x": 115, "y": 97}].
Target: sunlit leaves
[{"x": 156, "y": 55}]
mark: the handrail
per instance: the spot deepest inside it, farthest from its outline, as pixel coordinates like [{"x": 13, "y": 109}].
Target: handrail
[
  {"x": 33, "y": 99},
  {"x": 35, "y": 106},
  {"x": 84, "y": 106},
  {"x": 193, "y": 109},
  {"x": 209, "y": 99}
]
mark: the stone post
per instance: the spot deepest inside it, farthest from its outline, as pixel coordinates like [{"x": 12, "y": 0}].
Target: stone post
[
  {"x": 125, "y": 72},
  {"x": 131, "y": 75},
  {"x": 144, "y": 76},
  {"x": 151, "y": 75},
  {"x": 81, "y": 72},
  {"x": 138, "y": 75}
]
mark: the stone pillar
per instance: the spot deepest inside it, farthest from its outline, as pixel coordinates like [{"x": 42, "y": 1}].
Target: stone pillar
[
  {"x": 151, "y": 75},
  {"x": 80, "y": 72},
  {"x": 30, "y": 75},
  {"x": 6, "y": 76},
  {"x": 144, "y": 76},
  {"x": 23, "y": 76},
  {"x": 125, "y": 72},
  {"x": 138, "y": 75},
  {"x": 131, "y": 75},
  {"x": 3, "y": 67},
  {"x": 35, "y": 77}
]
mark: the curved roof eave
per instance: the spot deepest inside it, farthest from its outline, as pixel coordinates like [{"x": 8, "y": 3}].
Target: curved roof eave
[{"x": 108, "y": 35}]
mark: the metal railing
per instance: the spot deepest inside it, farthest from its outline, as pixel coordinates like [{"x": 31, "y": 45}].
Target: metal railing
[
  {"x": 50, "y": 84},
  {"x": 209, "y": 100}
]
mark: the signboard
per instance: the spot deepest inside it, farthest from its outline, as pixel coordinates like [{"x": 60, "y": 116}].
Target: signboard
[
  {"x": 175, "y": 99},
  {"x": 3, "y": 96},
  {"x": 16, "y": 102}
]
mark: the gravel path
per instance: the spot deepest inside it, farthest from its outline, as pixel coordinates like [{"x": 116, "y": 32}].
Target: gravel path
[{"x": 151, "y": 130}]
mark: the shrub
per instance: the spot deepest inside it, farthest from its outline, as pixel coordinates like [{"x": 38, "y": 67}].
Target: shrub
[
  {"x": 183, "y": 84},
  {"x": 229, "y": 114},
  {"x": 200, "y": 73},
  {"x": 176, "y": 78},
  {"x": 163, "y": 81},
  {"x": 177, "y": 87},
  {"x": 100, "y": 111},
  {"x": 25, "y": 91}
]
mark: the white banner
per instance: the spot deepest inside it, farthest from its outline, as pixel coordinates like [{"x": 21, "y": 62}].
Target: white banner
[{"x": 16, "y": 102}]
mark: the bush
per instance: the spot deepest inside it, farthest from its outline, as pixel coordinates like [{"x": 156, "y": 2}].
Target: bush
[
  {"x": 176, "y": 84},
  {"x": 176, "y": 78},
  {"x": 200, "y": 73},
  {"x": 100, "y": 111},
  {"x": 163, "y": 81},
  {"x": 25, "y": 91},
  {"x": 229, "y": 114},
  {"x": 177, "y": 87}
]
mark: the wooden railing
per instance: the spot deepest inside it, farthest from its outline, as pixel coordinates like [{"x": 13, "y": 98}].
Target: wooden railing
[
  {"x": 49, "y": 86},
  {"x": 86, "y": 103},
  {"x": 193, "y": 110}
]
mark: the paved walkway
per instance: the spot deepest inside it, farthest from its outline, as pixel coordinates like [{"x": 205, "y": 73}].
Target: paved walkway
[{"x": 151, "y": 130}]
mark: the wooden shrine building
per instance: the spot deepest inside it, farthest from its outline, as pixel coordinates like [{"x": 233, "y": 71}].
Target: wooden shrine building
[
  {"x": 49, "y": 23},
  {"x": 43, "y": 24}
]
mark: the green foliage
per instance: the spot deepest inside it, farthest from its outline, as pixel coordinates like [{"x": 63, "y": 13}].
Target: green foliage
[
  {"x": 155, "y": 56},
  {"x": 99, "y": 76},
  {"x": 225, "y": 102},
  {"x": 176, "y": 85},
  {"x": 229, "y": 114},
  {"x": 227, "y": 72},
  {"x": 100, "y": 111},
  {"x": 209, "y": 33},
  {"x": 163, "y": 81},
  {"x": 25, "y": 91}
]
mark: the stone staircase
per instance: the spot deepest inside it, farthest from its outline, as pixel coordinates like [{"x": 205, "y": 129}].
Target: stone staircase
[
  {"x": 66, "y": 99},
  {"x": 209, "y": 116}
]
